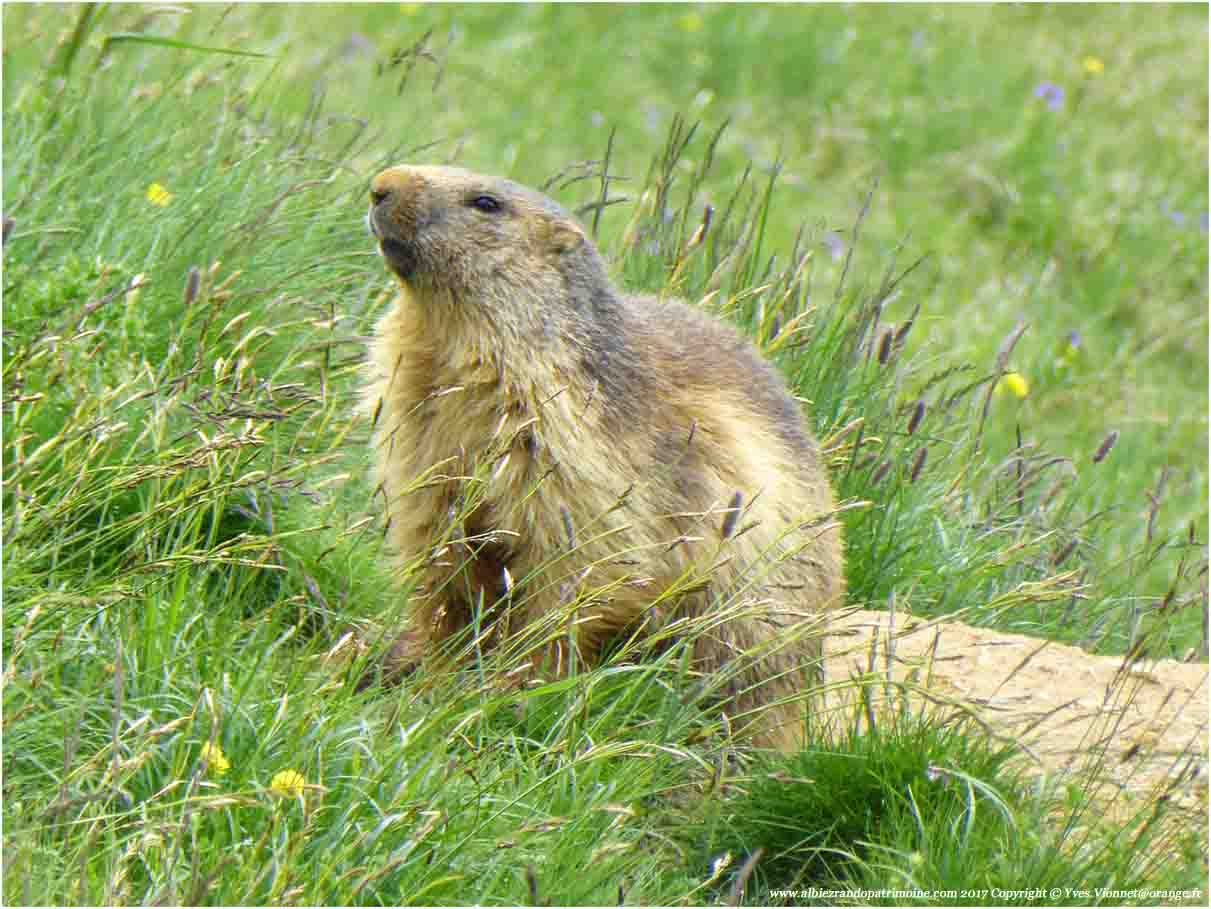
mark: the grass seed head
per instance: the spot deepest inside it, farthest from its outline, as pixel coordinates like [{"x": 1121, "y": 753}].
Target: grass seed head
[{"x": 1104, "y": 448}]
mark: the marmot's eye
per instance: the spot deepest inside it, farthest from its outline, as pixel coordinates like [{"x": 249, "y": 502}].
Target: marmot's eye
[{"x": 486, "y": 204}]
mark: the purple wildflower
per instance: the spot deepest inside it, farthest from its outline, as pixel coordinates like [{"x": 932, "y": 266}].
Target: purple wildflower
[
  {"x": 652, "y": 115},
  {"x": 1177, "y": 217},
  {"x": 1052, "y": 94},
  {"x": 1202, "y": 222},
  {"x": 836, "y": 246}
]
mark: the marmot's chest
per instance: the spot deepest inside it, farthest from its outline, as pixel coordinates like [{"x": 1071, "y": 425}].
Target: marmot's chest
[
  {"x": 449, "y": 411},
  {"x": 482, "y": 425}
]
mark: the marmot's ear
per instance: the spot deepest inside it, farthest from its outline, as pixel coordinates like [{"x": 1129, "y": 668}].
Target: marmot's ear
[{"x": 564, "y": 236}]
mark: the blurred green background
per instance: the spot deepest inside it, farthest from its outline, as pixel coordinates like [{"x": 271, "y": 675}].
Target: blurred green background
[{"x": 1050, "y": 160}]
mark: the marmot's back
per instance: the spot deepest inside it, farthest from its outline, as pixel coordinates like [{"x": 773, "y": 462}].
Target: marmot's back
[{"x": 617, "y": 444}]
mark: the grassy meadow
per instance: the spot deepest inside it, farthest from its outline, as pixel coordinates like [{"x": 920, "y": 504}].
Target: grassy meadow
[{"x": 973, "y": 238}]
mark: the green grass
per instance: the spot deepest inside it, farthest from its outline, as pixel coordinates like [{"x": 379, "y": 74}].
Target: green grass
[
  {"x": 907, "y": 808},
  {"x": 189, "y": 528}
]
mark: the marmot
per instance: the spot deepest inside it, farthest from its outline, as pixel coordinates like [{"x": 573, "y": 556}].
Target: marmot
[{"x": 543, "y": 439}]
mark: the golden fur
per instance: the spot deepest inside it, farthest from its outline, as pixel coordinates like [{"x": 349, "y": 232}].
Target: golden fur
[{"x": 542, "y": 439}]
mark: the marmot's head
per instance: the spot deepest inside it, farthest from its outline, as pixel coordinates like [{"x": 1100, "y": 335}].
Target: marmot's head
[{"x": 451, "y": 233}]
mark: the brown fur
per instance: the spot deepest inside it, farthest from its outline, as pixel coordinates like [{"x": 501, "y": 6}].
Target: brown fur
[{"x": 542, "y": 438}]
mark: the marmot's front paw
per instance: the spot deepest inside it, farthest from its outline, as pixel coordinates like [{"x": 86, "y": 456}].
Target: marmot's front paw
[{"x": 400, "y": 661}]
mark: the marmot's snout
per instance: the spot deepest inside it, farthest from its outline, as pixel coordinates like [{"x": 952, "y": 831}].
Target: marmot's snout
[{"x": 392, "y": 217}]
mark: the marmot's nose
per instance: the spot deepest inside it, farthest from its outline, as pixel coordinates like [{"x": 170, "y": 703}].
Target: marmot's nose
[
  {"x": 382, "y": 187},
  {"x": 390, "y": 182}
]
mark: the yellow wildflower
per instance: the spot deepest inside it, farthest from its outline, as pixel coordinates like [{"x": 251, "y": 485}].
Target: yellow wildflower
[
  {"x": 691, "y": 22},
  {"x": 288, "y": 784},
  {"x": 158, "y": 195},
  {"x": 215, "y": 760},
  {"x": 1015, "y": 383},
  {"x": 1093, "y": 66},
  {"x": 409, "y": 9}
]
